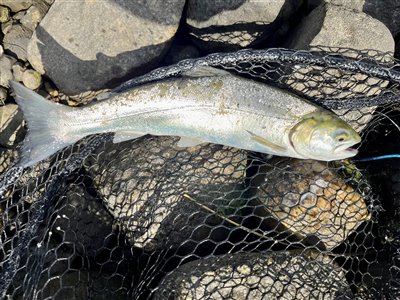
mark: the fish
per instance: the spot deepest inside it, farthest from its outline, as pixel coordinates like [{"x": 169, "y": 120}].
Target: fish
[{"x": 204, "y": 105}]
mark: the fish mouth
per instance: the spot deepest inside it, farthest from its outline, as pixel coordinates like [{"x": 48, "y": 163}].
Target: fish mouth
[{"x": 346, "y": 148}]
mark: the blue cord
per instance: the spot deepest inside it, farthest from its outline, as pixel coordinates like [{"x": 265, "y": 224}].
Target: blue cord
[{"x": 379, "y": 157}]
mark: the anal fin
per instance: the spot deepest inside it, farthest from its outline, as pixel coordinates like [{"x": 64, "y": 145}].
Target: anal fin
[{"x": 122, "y": 136}]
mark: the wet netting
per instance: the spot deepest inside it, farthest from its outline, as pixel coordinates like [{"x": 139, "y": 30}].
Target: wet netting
[{"x": 145, "y": 219}]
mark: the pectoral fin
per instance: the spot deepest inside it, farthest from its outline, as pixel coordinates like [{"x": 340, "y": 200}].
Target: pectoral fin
[
  {"x": 122, "y": 136},
  {"x": 188, "y": 142},
  {"x": 266, "y": 142},
  {"x": 205, "y": 71}
]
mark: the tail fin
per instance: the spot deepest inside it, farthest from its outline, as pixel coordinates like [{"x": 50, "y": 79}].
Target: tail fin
[{"x": 44, "y": 137}]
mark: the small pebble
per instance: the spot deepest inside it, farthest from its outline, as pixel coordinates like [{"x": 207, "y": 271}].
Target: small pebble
[
  {"x": 31, "y": 79},
  {"x": 32, "y": 18},
  {"x": 51, "y": 90},
  {"x": 3, "y": 95},
  {"x": 16, "y": 5},
  {"x": 6, "y": 63},
  {"x": 18, "y": 16},
  {"x": 18, "y": 69},
  {"x": 4, "y": 14},
  {"x": 5, "y": 27}
]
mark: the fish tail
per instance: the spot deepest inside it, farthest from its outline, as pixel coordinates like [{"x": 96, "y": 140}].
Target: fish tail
[{"x": 44, "y": 136}]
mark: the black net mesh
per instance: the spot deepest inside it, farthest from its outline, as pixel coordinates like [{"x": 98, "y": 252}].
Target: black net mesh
[{"x": 146, "y": 219}]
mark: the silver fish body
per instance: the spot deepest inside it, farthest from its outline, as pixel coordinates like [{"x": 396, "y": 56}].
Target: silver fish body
[{"x": 218, "y": 108}]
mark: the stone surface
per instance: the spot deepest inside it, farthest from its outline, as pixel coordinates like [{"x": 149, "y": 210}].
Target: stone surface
[
  {"x": 356, "y": 5},
  {"x": 4, "y": 14},
  {"x": 32, "y": 79},
  {"x": 6, "y": 27},
  {"x": 388, "y": 13},
  {"x": 240, "y": 276},
  {"x": 32, "y": 17},
  {"x": 309, "y": 199},
  {"x": 18, "y": 70},
  {"x": 10, "y": 125},
  {"x": 1, "y": 50},
  {"x": 16, "y": 41},
  {"x": 143, "y": 182},
  {"x": 75, "y": 36},
  {"x": 16, "y": 5},
  {"x": 231, "y": 25},
  {"x": 3, "y": 95},
  {"x": 6, "y": 63},
  {"x": 329, "y": 27}
]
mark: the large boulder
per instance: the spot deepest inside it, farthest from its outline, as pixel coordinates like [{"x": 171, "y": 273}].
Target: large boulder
[
  {"x": 330, "y": 27},
  {"x": 88, "y": 45},
  {"x": 230, "y": 25}
]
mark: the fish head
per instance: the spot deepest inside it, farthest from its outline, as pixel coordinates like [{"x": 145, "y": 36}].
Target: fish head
[{"x": 324, "y": 136}]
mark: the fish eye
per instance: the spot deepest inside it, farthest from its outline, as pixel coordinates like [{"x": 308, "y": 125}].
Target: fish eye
[{"x": 341, "y": 135}]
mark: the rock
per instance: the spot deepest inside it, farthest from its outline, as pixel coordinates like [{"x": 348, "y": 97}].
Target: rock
[
  {"x": 32, "y": 18},
  {"x": 18, "y": 16},
  {"x": 76, "y": 37},
  {"x": 6, "y": 63},
  {"x": 31, "y": 79},
  {"x": 1, "y": 50},
  {"x": 388, "y": 14},
  {"x": 16, "y": 5},
  {"x": 10, "y": 125},
  {"x": 3, "y": 95},
  {"x": 16, "y": 40},
  {"x": 329, "y": 27},
  {"x": 309, "y": 199},
  {"x": 356, "y": 5},
  {"x": 4, "y": 14},
  {"x": 239, "y": 276},
  {"x": 5, "y": 27},
  {"x": 232, "y": 25},
  {"x": 18, "y": 69},
  {"x": 146, "y": 198}
]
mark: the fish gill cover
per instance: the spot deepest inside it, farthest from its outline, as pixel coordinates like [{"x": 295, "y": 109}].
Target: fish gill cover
[{"x": 145, "y": 219}]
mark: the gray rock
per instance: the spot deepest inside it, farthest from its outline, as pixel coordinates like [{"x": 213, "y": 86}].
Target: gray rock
[
  {"x": 5, "y": 27},
  {"x": 240, "y": 276},
  {"x": 229, "y": 25},
  {"x": 10, "y": 125},
  {"x": 6, "y": 63},
  {"x": 330, "y": 27},
  {"x": 3, "y": 96},
  {"x": 16, "y": 5},
  {"x": 18, "y": 69},
  {"x": 143, "y": 182},
  {"x": 388, "y": 13},
  {"x": 18, "y": 16},
  {"x": 1, "y": 50},
  {"x": 32, "y": 79},
  {"x": 32, "y": 17},
  {"x": 16, "y": 40},
  {"x": 309, "y": 199},
  {"x": 4, "y": 14},
  {"x": 356, "y": 5},
  {"x": 128, "y": 38}
]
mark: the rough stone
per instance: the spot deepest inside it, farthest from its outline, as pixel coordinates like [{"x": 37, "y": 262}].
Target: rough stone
[
  {"x": 388, "y": 13},
  {"x": 75, "y": 36},
  {"x": 231, "y": 25},
  {"x": 5, "y": 27},
  {"x": 10, "y": 125},
  {"x": 16, "y": 5},
  {"x": 32, "y": 79},
  {"x": 1, "y": 50},
  {"x": 277, "y": 275},
  {"x": 6, "y": 63},
  {"x": 16, "y": 40},
  {"x": 32, "y": 18},
  {"x": 4, "y": 14},
  {"x": 3, "y": 95},
  {"x": 146, "y": 198},
  {"x": 330, "y": 27},
  {"x": 18, "y": 16},
  {"x": 18, "y": 70},
  {"x": 319, "y": 203},
  {"x": 356, "y": 5}
]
